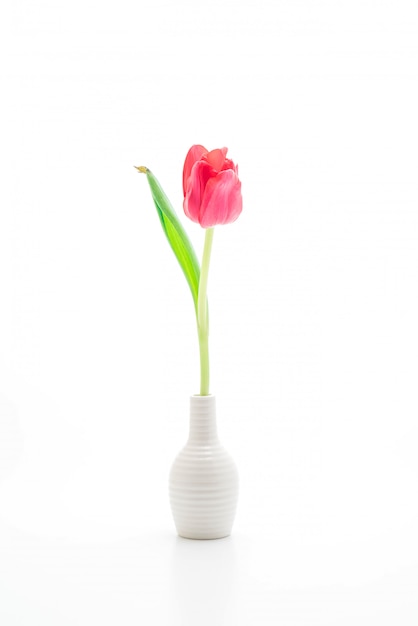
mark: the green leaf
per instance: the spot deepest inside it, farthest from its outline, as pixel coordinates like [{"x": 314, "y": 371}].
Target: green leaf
[{"x": 176, "y": 235}]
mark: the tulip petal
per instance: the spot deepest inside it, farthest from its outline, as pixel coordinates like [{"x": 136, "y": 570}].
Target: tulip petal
[
  {"x": 216, "y": 158},
  {"x": 230, "y": 165},
  {"x": 195, "y": 189},
  {"x": 222, "y": 200},
  {"x": 194, "y": 154}
]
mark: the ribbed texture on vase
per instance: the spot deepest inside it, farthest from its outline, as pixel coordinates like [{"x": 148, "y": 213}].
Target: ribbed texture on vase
[{"x": 203, "y": 479}]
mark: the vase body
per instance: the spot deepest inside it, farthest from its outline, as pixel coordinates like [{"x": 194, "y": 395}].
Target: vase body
[{"x": 203, "y": 478}]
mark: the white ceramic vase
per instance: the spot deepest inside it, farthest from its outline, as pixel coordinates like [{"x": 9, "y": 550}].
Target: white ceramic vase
[{"x": 203, "y": 478}]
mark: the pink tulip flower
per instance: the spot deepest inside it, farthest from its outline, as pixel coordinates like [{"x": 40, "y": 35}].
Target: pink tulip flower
[{"x": 212, "y": 189}]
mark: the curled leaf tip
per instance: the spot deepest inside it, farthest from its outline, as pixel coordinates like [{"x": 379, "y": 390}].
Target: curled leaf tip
[{"x": 141, "y": 168}]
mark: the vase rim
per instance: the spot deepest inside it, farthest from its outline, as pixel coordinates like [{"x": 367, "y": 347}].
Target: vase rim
[
  {"x": 198, "y": 398},
  {"x": 199, "y": 395}
]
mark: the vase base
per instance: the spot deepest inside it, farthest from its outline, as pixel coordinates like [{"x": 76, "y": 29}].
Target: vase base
[{"x": 201, "y": 537}]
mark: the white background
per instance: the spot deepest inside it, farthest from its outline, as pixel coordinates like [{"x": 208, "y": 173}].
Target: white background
[{"x": 313, "y": 303}]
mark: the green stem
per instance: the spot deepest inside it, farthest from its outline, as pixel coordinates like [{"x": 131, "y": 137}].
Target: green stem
[{"x": 202, "y": 314}]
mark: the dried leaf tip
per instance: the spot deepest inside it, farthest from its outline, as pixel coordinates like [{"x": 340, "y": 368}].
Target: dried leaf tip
[{"x": 141, "y": 168}]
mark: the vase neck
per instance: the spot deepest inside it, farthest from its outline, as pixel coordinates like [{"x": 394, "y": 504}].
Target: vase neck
[{"x": 203, "y": 430}]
